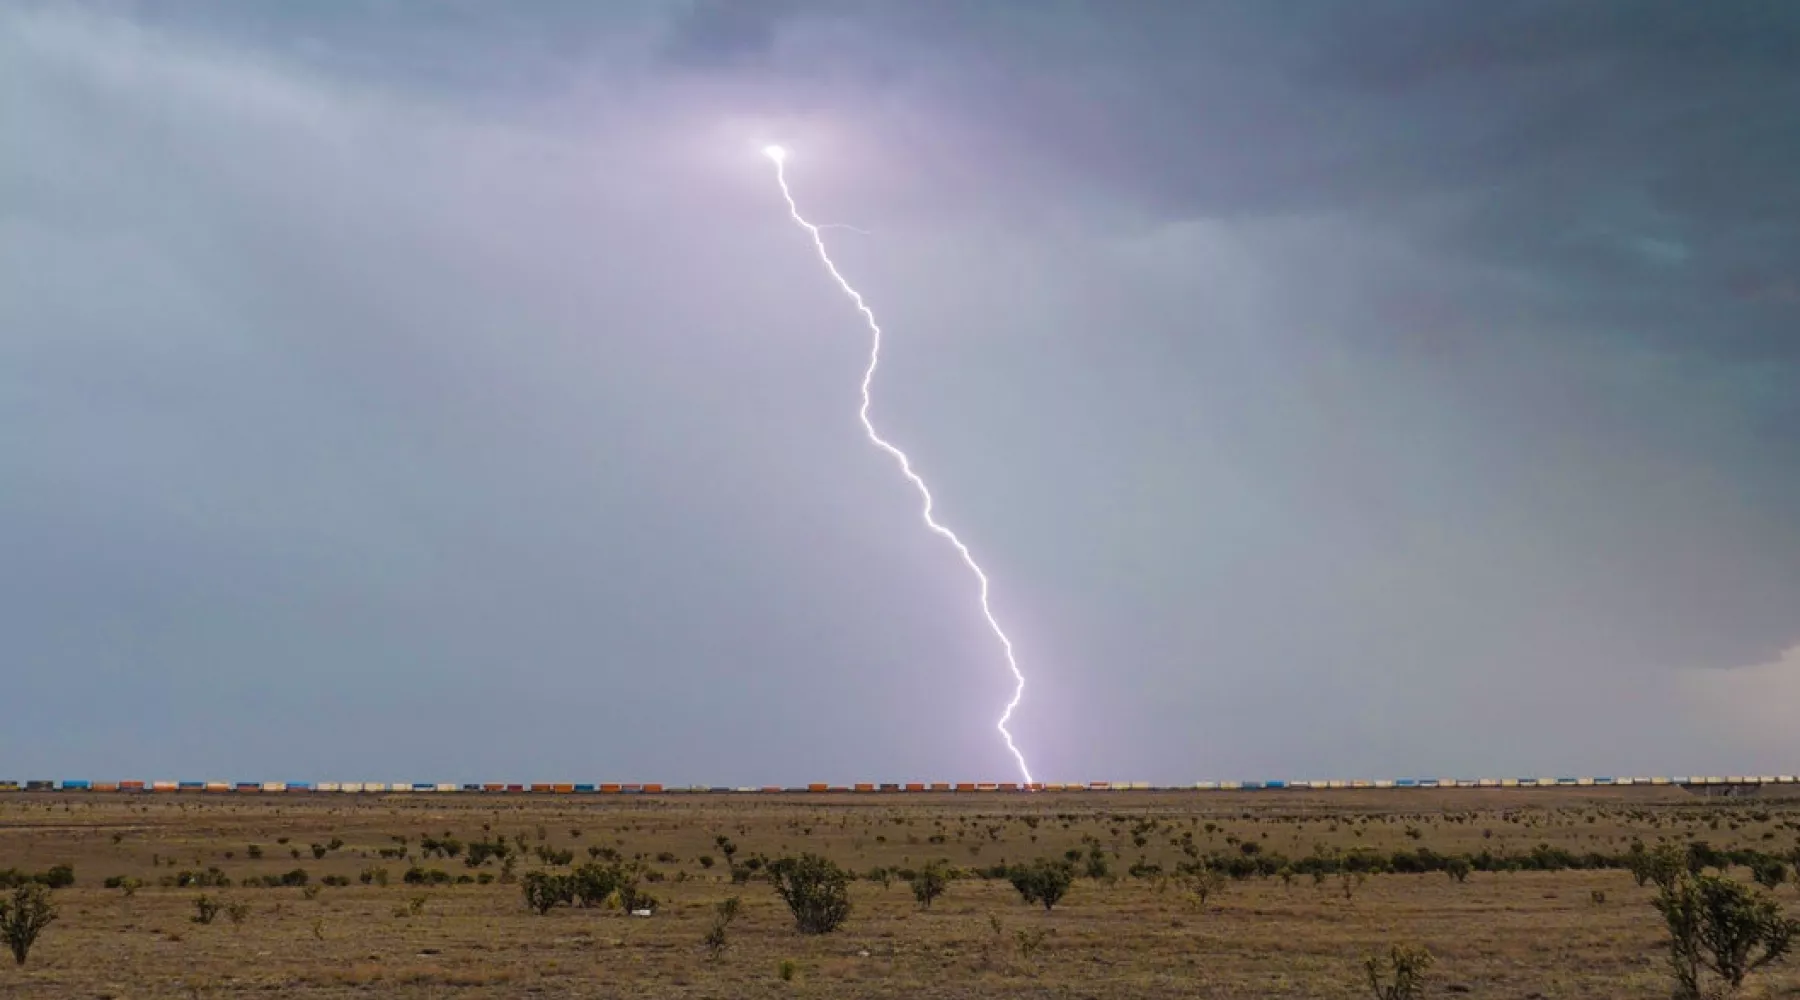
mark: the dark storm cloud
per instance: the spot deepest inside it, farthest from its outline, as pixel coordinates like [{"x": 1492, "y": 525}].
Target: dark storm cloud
[{"x": 1327, "y": 386}]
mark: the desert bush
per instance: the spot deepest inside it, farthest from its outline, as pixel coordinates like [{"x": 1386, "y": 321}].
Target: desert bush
[
  {"x": 236, "y": 910},
  {"x": 205, "y": 909},
  {"x": 593, "y": 884},
  {"x": 1399, "y": 976},
  {"x": 318, "y": 852},
  {"x": 815, "y": 890},
  {"x": 723, "y": 914},
  {"x": 544, "y": 891},
  {"x": 378, "y": 876},
  {"x": 24, "y": 917},
  {"x": 1720, "y": 927},
  {"x": 1202, "y": 885},
  {"x": 1458, "y": 869},
  {"x": 928, "y": 884},
  {"x": 254, "y": 852},
  {"x": 1043, "y": 881},
  {"x": 1769, "y": 872}
]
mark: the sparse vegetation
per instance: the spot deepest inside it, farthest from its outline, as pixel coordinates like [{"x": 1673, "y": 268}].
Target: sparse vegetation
[
  {"x": 1043, "y": 881},
  {"x": 815, "y": 890},
  {"x": 1399, "y": 975},
  {"x": 1722, "y": 928},
  {"x": 24, "y": 917}
]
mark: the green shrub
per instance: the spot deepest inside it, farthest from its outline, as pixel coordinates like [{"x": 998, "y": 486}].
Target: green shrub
[
  {"x": 1043, "y": 881},
  {"x": 25, "y": 917},
  {"x": 1400, "y": 976},
  {"x": 544, "y": 891},
  {"x": 928, "y": 884},
  {"x": 205, "y": 909},
  {"x": 815, "y": 890},
  {"x": 1720, "y": 927}
]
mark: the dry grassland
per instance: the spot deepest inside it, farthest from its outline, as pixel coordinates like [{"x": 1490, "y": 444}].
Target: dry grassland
[{"x": 1518, "y": 934}]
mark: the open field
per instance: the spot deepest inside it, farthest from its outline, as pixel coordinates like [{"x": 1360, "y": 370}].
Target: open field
[{"x": 1500, "y": 934}]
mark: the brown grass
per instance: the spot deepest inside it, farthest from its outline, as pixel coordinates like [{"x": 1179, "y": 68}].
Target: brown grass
[{"x": 1499, "y": 935}]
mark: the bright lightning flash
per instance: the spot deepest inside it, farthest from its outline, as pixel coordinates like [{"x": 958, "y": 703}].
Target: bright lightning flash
[{"x": 779, "y": 155}]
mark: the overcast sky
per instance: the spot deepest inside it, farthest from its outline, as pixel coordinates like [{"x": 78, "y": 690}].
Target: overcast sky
[{"x": 408, "y": 391}]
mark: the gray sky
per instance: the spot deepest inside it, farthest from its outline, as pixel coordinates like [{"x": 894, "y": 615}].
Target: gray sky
[{"x": 404, "y": 390}]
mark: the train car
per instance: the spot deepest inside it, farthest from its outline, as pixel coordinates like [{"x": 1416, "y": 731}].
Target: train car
[
  {"x": 1275, "y": 785},
  {"x": 652, "y": 788},
  {"x": 106, "y": 786},
  {"x": 328, "y": 786},
  {"x": 1228, "y": 786},
  {"x": 40, "y": 786},
  {"x": 274, "y": 786},
  {"x": 9, "y": 786},
  {"x": 493, "y": 786},
  {"x": 163, "y": 786},
  {"x": 563, "y": 788},
  {"x": 987, "y": 786},
  {"x": 722, "y": 789},
  {"x": 190, "y": 786},
  {"x": 1786, "y": 779},
  {"x": 888, "y": 787},
  {"x": 586, "y": 788},
  {"x": 247, "y": 786},
  {"x": 77, "y": 786},
  {"x": 131, "y": 786},
  {"x": 299, "y": 786}
]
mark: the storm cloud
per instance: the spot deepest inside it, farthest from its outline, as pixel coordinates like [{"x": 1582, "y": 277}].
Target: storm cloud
[{"x": 1330, "y": 389}]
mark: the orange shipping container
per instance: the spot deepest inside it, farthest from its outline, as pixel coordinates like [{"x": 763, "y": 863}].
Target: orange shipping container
[
  {"x": 965, "y": 786},
  {"x": 915, "y": 786},
  {"x": 865, "y": 787},
  {"x": 494, "y": 787},
  {"x": 652, "y": 789},
  {"x": 563, "y": 789},
  {"x": 1007, "y": 786},
  {"x": 540, "y": 787},
  {"x": 610, "y": 789},
  {"x": 106, "y": 786},
  {"x": 817, "y": 787},
  {"x": 940, "y": 786},
  {"x": 131, "y": 786}
]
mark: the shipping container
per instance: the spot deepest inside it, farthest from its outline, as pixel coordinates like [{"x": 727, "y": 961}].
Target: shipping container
[
  {"x": 471, "y": 786},
  {"x": 162, "y": 786},
  {"x": 191, "y": 786},
  {"x": 987, "y": 786},
  {"x": 9, "y": 786},
  {"x": 652, "y": 788},
  {"x": 586, "y": 788},
  {"x": 940, "y": 786},
  {"x": 274, "y": 786},
  {"x": 1277, "y": 785},
  {"x": 563, "y": 788},
  {"x": 106, "y": 786},
  {"x": 77, "y": 786},
  {"x": 1384, "y": 783},
  {"x": 631, "y": 789},
  {"x": 965, "y": 786},
  {"x": 131, "y": 786},
  {"x": 493, "y": 786},
  {"x": 1099, "y": 786},
  {"x": 889, "y": 787},
  {"x": 48, "y": 785},
  {"x": 299, "y": 786}
]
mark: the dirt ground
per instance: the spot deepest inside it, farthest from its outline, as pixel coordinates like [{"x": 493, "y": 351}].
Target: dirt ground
[{"x": 1567, "y": 934}]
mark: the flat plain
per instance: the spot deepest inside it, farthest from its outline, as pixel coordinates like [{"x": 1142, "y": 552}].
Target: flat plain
[{"x": 1138, "y": 931}]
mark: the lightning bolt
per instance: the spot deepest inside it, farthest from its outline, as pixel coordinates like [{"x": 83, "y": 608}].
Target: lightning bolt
[{"x": 779, "y": 155}]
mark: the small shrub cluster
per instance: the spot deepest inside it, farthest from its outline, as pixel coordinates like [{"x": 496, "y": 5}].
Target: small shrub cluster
[
  {"x": 25, "y": 916},
  {"x": 1043, "y": 881},
  {"x": 56, "y": 877},
  {"x": 815, "y": 889}
]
